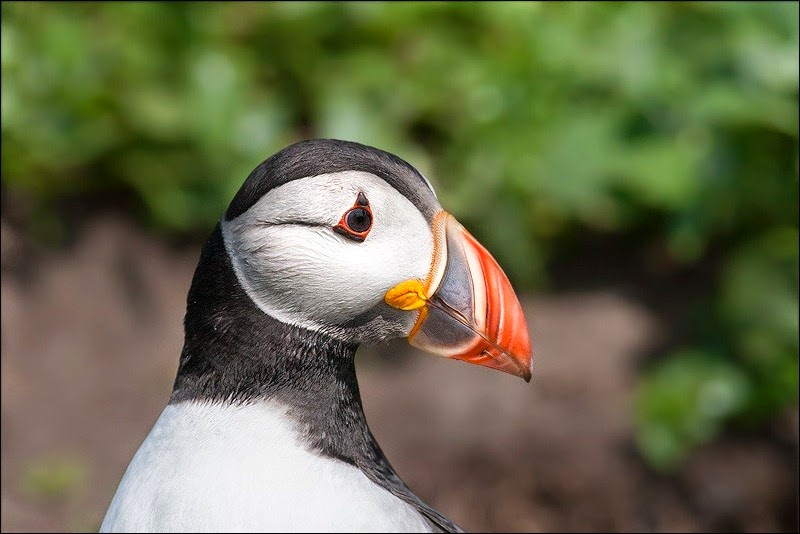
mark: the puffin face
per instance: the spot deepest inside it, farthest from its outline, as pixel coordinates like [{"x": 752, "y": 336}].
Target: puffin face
[{"x": 351, "y": 241}]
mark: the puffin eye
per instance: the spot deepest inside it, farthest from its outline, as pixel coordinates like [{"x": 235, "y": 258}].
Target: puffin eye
[{"x": 357, "y": 221}]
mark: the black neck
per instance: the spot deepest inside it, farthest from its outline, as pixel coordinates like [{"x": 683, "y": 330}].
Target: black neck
[{"x": 235, "y": 353}]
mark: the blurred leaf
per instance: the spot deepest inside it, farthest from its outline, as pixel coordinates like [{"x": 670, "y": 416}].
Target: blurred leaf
[
  {"x": 684, "y": 401},
  {"x": 759, "y": 301}
]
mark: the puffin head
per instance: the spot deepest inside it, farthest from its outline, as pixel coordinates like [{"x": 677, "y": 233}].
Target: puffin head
[{"x": 351, "y": 242}]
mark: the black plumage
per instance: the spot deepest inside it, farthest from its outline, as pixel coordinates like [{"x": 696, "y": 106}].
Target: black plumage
[
  {"x": 321, "y": 156},
  {"x": 235, "y": 353}
]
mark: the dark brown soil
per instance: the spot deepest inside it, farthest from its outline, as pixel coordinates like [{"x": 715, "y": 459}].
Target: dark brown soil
[{"x": 90, "y": 342}]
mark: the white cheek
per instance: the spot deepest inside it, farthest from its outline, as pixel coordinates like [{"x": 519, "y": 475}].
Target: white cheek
[{"x": 316, "y": 278}]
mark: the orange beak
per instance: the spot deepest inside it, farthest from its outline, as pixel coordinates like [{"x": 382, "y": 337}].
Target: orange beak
[{"x": 467, "y": 307}]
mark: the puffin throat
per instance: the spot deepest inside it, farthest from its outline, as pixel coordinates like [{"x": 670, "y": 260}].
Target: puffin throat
[{"x": 235, "y": 353}]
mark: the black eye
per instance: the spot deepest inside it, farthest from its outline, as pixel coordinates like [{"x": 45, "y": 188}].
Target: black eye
[{"x": 358, "y": 220}]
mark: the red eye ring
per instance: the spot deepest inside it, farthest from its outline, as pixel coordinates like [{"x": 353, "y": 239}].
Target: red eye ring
[{"x": 356, "y": 223}]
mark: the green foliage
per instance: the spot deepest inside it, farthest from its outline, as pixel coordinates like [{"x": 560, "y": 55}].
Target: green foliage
[
  {"x": 673, "y": 121},
  {"x": 745, "y": 368},
  {"x": 759, "y": 308},
  {"x": 684, "y": 402}
]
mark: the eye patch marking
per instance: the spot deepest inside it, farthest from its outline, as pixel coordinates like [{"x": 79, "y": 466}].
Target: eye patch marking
[
  {"x": 291, "y": 222},
  {"x": 356, "y": 223}
]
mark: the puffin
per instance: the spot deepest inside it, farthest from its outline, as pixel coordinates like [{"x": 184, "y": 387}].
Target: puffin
[{"x": 327, "y": 245}]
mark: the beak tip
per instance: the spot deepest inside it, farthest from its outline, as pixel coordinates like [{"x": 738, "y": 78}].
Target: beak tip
[{"x": 526, "y": 368}]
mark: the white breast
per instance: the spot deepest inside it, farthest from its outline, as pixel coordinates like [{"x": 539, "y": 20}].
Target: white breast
[{"x": 219, "y": 468}]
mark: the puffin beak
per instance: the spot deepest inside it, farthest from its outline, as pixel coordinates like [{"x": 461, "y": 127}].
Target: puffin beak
[{"x": 467, "y": 307}]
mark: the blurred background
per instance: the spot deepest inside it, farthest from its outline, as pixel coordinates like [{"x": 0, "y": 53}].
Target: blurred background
[{"x": 632, "y": 166}]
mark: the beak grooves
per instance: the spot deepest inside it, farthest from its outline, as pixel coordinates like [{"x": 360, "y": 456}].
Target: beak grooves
[{"x": 468, "y": 309}]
